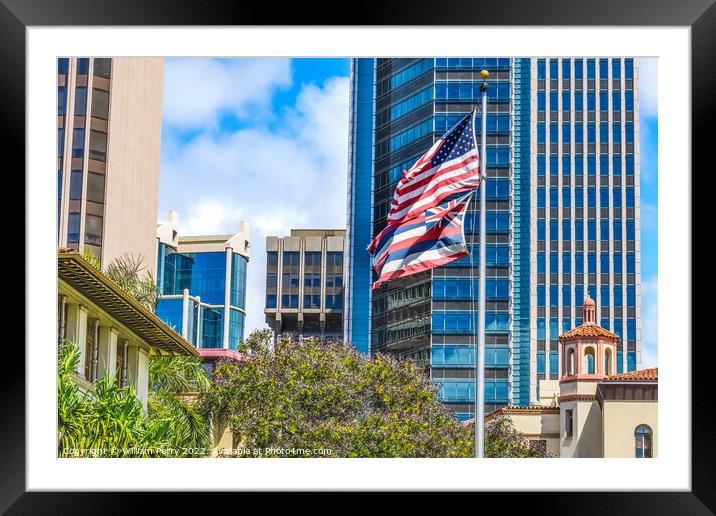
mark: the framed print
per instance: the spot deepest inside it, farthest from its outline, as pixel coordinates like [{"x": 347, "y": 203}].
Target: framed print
[{"x": 450, "y": 251}]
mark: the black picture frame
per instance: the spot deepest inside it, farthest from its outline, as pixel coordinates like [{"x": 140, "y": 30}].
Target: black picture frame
[{"x": 17, "y": 15}]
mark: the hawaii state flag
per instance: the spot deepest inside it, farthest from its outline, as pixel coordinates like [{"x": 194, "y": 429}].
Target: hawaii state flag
[{"x": 426, "y": 218}]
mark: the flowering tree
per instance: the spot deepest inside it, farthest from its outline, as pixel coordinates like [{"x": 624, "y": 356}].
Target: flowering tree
[{"x": 326, "y": 397}]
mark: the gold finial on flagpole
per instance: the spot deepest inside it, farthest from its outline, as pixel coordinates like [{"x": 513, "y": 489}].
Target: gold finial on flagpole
[{"x": 484, "y": 74}]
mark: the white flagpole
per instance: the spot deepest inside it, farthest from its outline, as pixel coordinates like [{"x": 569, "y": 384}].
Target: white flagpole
[{"x": 480, "y": 358}]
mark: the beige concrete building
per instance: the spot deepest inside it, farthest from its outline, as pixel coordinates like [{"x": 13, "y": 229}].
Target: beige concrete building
[
  {"x": 591, "y": 411},
  {"x": 115, "y": 333},
  {"x": 304, "y": 283},
  {"x": 109, "y": 132}
]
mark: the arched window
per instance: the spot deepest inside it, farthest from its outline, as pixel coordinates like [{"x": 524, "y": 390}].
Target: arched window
[
  {"x": 608, "y": 361},
  {"x": 570, "y": 361},
  {"x": 643, "y": 442},
  {"x": 589, "y": 360}
]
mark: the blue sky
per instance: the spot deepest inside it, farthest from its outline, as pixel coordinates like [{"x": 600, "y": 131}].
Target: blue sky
[{"x": 266, "y": 140}]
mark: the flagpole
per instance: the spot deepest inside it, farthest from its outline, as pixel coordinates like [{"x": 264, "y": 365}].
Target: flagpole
[{"x": 480, "y": 358}]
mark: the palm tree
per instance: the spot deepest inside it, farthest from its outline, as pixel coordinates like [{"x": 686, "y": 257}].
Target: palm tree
[
  {"x": 173, "y": 384},
  {"x": 127, "y": 272}
]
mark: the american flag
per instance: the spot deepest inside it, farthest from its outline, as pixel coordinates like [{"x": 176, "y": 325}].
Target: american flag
[{"x": 425, "y": 222}]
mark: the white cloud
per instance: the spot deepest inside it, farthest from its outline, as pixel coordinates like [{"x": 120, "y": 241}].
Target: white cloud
[
  {"x": 292, "y": 177},
  {"x": 649, "y": 322},
  {"x": 197, "y": 91},
  {"x": 648, "y": 87}
]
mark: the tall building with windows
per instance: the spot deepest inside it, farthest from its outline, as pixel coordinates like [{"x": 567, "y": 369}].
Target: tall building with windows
[
  {"x": 562, "y": 215},
  {"x": 202, "y": 285},
  {"x": 304, "y": 283},
  {"x": 109, "y": 116}
]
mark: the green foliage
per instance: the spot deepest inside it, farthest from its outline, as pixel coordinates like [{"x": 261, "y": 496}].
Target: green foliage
[
  {"x": 504, "y": 441},
  {"x": 320, "y": 395},
  {"x": 127, "y": 271},
  {"x": 107, "y": 420},
  {"x": 171, "y": 380},
  {"x": 88, "y": 255}
]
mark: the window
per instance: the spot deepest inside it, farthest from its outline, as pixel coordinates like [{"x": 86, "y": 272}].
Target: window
[
  {"x": 78, "y": 143},
  {"x": 271, "y": 280},
  {"x": 608, "y": 361},
  {"x": 100, "y": 103},
  {"x": 73, "y": 227},
  {"x": 61, "y": 100},
  {"x": 95, "y": 187},
  {"x": 102, "y": 67},
  {"x": 568, "y": 422},
  {"x": 334, "y": 259},
  {"x": 540, "y": 263},
  {"x": 76, "y": 185},
  {"x": 82, "y": 66},
  {"x": 80, "y": 101},
  {"x": 643, "y": 442},
  {"x": 98, "y": 146},
  {"x": 62, "y": 65},
  {"x": 271, "y": 301},
  {"x": 93, "y": 230},
  {"x": 272, "y": 258}
]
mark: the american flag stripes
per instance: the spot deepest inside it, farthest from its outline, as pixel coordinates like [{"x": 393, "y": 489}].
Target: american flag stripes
[{"x": 425, "y": 222}]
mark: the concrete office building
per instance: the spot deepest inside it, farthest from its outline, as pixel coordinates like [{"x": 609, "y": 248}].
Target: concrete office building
[
  {"x": 202, "y": 286},
  {"x": 304, "y": 283},
  {"x": 109, "y": 115},
  {"x": 562, "y": 215}
]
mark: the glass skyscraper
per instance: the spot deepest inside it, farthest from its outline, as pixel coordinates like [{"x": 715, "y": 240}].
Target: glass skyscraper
[
  {"x": 202, "y": 285},
  {"x": 562, "y": 215}
]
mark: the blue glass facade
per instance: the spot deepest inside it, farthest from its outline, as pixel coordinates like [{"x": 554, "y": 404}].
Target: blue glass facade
[
  {"x": 360, "y": 180},
  {"x": 562, "y": 194},
  {"x": 203, "y": 275}
]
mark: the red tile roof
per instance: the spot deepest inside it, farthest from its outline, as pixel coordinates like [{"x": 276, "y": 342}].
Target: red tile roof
[
  {"x": 643, "y": 375},
  {"x": 588, "y": 330}
]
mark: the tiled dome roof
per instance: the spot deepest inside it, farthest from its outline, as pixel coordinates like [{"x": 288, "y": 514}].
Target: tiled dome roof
[{"x": 588, "y": 330}]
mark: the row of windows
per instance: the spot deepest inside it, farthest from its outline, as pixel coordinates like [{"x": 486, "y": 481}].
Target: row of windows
[
  {"x": 464, "y": 288},
  {"x": 332, "y": 301},
  {"x": 95, "y": 186},
  {"x": 575, "y": 99},
  {"x": 579, "y": 229},
  {"x": 97, "y": 144},
  {"x": 591, "y": 160},
  {"x": 414, "y": 70},
  {"x": 291, "y": 259},
  {"x": 553, "y": 325},
  {"x": 464, "y": 390},
  {"x": 412, "y": 134},
  {"x": 591, "y": 68},
  {"x": 473, "y": 62},
  {"x": 411, "y": 103},
  {"x": 617, "y": 291},
  {"x": 465, "y": 322},
  {"x": 579, "y": 262},
  {"x": 93, "y": 228},
  {"x": 496, "y": 123},
  {"x": 591, "y": 130},
  {"x": 604, "y": 197},
  {"x": 446, "y": 355},
  {"x": 458, "y": 90}
]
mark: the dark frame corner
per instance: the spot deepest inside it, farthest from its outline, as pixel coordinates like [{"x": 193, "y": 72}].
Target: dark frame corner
[{"x": 700, "y": 15}]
